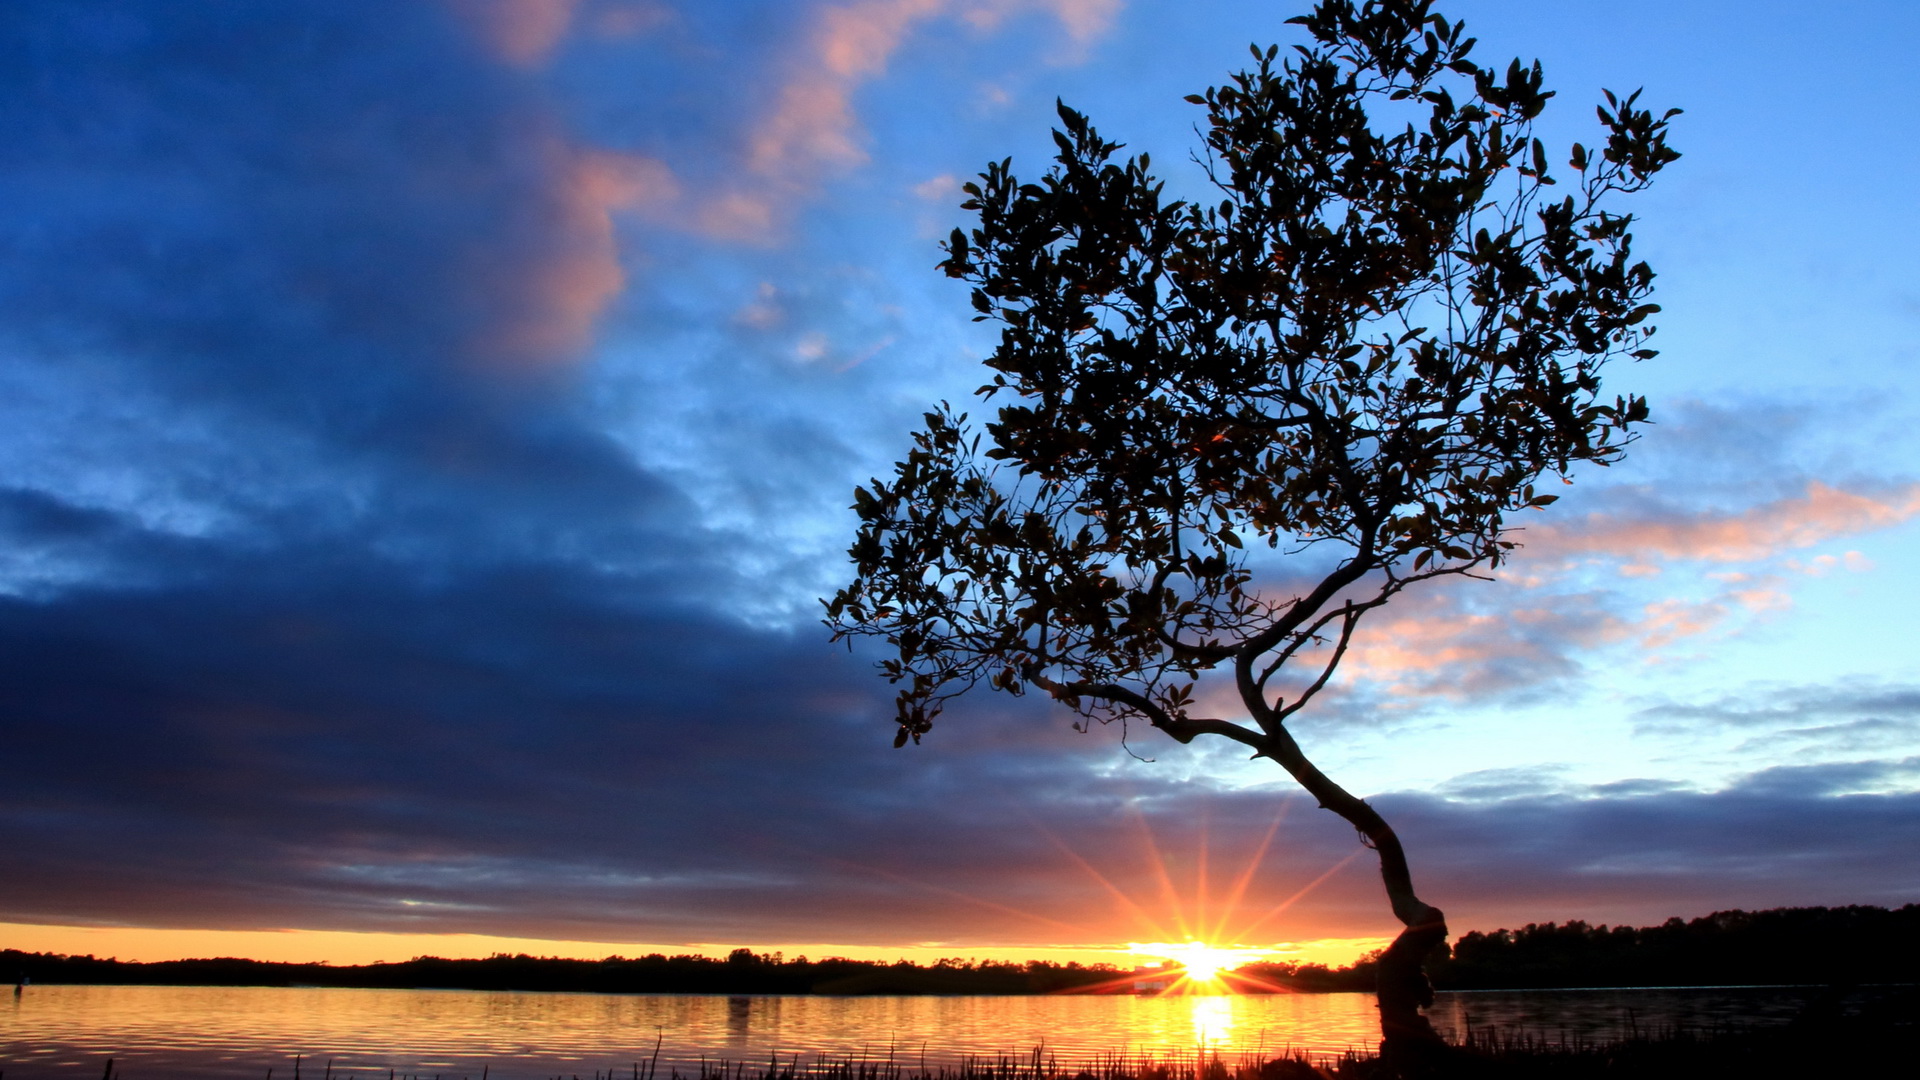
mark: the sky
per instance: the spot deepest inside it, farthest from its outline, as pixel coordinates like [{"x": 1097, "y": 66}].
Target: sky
[{"x": 426, "y": 430}]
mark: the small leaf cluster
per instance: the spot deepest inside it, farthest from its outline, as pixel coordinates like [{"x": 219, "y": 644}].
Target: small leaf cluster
[{"x": 1376, "y": 335}]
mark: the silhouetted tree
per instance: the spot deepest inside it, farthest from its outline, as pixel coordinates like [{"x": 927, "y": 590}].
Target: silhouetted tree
[{"x": 1389, "y": 326}]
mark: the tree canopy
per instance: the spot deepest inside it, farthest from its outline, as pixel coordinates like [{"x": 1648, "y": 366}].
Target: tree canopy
[
  {"x": 1376, "y": 340},
  {"x": 1364, "y": 346}
]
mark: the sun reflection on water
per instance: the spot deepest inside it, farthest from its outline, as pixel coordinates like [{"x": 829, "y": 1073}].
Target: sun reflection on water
[
  {"x": 236, "y": 1033},
  {"x": 1212, "y": 1020}
]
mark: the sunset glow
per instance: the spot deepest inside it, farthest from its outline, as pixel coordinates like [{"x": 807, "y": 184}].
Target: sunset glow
[
  {"x": 145, "y": 945},
  {"x": 1199, "y": 962}
]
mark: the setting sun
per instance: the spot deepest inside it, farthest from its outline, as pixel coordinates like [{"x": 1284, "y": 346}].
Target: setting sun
[{"x": 1199, "y": 962}]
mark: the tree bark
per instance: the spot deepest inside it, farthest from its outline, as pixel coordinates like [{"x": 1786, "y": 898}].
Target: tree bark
[{"x": 1409, "y": 1045}]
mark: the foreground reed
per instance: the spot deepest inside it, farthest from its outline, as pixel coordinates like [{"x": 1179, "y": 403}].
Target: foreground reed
[
  {"x": 1774, "y": 1055},
  {"x": 1875, "y": 1043},
  {"x": 1745, "y": 1056}
]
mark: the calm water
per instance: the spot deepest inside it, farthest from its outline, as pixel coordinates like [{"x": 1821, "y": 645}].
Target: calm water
[{"x": 175, "y": 1033}]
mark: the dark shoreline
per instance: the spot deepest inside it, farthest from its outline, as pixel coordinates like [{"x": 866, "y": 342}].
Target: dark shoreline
[{"x": 1782, "y": 947}]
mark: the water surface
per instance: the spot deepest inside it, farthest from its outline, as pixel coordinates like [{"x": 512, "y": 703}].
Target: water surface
[{"x": 176, "y": 1033}]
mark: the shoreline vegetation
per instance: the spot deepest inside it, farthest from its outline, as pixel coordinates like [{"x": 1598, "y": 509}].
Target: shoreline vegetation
[
  {"x": 1778, "y": 947},
  {"x": 1821, "y": 1042}
]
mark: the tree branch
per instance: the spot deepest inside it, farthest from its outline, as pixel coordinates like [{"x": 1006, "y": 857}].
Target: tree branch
[
  {"x": 1300, "y": 638},
  {"x": 1352, "y": 616},
  {"x": 1184, "y": 729}
]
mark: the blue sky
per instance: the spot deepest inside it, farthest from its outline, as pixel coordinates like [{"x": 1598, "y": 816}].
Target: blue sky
[{"x": 426, "y": 428}]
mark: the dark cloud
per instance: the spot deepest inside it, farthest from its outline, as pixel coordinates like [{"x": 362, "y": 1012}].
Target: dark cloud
[
  {"x": 250, "y": 201},
  {"x": 319, "y": 582},
  {"x": 1508, "y": 783},
  {"x": 1781, "y": 837},
  {"x": 264, "y": 258},
  {"x": 1852, "y": 711},
  {"x": 525, "y": 751}
]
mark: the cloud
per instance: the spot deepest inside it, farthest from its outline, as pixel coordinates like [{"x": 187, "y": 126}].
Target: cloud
[
  {"x": 622, "y": 20},
  {"x": 562, "y": 294},
  {"x": 1446, "y": 643},
  {"x": 1793, "y": 836},
  {"x": 1484, "y": 641},
  {"x": 583, "y": 759},
  {"x": 405, "y": 234},
  {"x": 811, "y": 130},
  {"x": 813, "y": 124},
  {"x": 939, "y": 189},
  {"x": 1853, "y": 737},
  {"x": 1505, "y": 783},
  {"x": 1685, "y": 554},
  {"x": 1083, "y": 20},
  {"x": 521, "y": 32},
  {"x": 359, "y": 566},
  {"x": 1822, "y": 512},
  {"x": 326, "y": 288},
  {"x": 1783, "y": 708}
]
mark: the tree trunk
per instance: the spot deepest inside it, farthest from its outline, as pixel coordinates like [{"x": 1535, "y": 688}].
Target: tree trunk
[{"x": 1409, "y": 1045}]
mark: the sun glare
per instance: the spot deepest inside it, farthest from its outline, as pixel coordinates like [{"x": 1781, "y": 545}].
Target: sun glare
[{"x": 1197, "y": 961}]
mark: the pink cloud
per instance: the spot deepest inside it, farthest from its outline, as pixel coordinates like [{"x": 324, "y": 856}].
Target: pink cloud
[
  {"x": 522, "y": 33},
  {"x": 1431, "y": 644},
  {"x": 1441, "y": 645},
  {"x": 1085, "y": 19},
  {"x": 812, "y": 125},
  {"x": 1760, "y": 532},
  {"x": 1522, "y": 632},
  {"x": 628, "y": 20},
  {"x": 1667, "y": 621},
  {"x": 613, "y": 180},
  {"x": 549, "y": 304},
  {"x": 812, "y": 129},
  {"x": 809, "y": 132},
  {"x": 737, "y": 215},
  {"x": 544, "y": 305}
]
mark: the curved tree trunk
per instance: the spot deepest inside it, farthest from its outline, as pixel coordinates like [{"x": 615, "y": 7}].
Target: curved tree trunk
[{"x": 1409, "y": 1045}]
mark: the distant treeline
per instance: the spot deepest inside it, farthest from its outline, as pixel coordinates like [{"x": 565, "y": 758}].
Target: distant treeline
[
  {"x": 1813, "y": 945},
  {"x": 741, "y": 972},
  {"x": 1782, "y": 946}
]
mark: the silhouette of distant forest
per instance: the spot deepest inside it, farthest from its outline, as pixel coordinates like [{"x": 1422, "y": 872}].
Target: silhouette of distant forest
[
  {"x": 1817, "y": 945},
  {"x": 1728, "y": 948}
]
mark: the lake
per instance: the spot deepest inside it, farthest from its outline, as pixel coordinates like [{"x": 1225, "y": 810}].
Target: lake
[{"x": 176, "y": 1033}]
